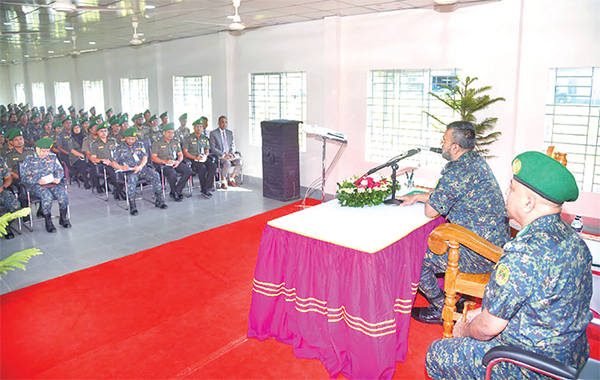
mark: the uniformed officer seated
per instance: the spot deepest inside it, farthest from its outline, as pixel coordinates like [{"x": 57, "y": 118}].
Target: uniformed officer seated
[
  {"x": 8, "y": 199},
  {"x": 167, "y": 154},
  {"x": 196, "y": 148},
  {"x": 43, "y": 175},
  {"x": 131, "y": 157},
  {"x": 539, "y": 292},
  {"x": 101, "y": 155}
]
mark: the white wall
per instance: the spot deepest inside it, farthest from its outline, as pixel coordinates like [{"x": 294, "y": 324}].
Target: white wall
[{"x": 509, "y": 45}]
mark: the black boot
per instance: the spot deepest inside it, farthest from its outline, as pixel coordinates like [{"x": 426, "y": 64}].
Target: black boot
[
  {"x": 9, "y": 234},
  {"x": 49, "y": 226},
  {"x": 39, "y": 212},
  {"x": 133, "y": 208},
  {"x": 64, "y": 219},
  {"x": 160, "y": 202}
]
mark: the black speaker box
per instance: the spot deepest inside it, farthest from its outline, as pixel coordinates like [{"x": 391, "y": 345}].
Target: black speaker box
[{"x": 280, "y": 159}]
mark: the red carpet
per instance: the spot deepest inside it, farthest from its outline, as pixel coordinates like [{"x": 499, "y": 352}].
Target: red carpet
[{"x": 175, "y": 311}]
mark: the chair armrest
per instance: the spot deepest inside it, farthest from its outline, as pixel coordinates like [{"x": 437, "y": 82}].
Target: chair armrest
[
  {"x": 529, "y": 360},
  {"x": 451, "y": 232}
]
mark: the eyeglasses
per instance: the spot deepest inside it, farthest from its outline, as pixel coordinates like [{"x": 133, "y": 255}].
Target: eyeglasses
[{"x": 442, "y": 141}]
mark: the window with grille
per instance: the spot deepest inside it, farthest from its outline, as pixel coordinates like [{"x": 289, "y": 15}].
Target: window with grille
[
  {"x": 38, "y": 94},
  {"x": 62, "y": 94},
  {"x": 277, "y": 96},
  {"x": 572, "y": 122},
  {"x": 396, "y": 122},
  {"x": 192, "y": 95},
  {"x": 134, "y": 95},
  {"x": 93, "y": 95},
  {"x": 20, "y": 93}
]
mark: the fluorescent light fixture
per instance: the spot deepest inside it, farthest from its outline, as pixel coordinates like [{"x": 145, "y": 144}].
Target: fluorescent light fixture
[
  {"x": 149, "y": 6},
  {"x": 7, "y": 23},
  {"x": 50, "y": 51},
  {"x": 68, "y": 27},
  {"x": 26, "y": 56},
  {"x": 140, "y": 34},
  {"x": 67, "y": 41},
  {"x": 92, "y": 42},
  {"x": 444, "y": 2}
]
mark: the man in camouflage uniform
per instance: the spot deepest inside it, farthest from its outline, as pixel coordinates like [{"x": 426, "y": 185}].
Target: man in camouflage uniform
[
  {"x": 539, "y": 293},
  {"x": 101, "y": 155},
  {"x": 131, "y": 157},
  {"x": 155, "y": 133},
  {"x": 196, "y": 148},
  {"x": 35, "y": 172},
  {"x": 8, "y": 200},
  {"x": 167, "y": 153},
  {"x": 467, "y": 194}
]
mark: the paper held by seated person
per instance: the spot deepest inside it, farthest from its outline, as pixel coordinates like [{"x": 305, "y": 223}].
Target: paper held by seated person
[{"x": 48, "y": 178}]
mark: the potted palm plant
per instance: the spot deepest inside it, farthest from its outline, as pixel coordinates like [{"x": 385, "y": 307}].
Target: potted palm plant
[
  {"x": 465, "y": 100},
  {"x": 18, "y": 259}
]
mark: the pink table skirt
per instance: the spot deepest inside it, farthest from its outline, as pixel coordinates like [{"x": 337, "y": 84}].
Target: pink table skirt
[{"x": 347, "y": 308}]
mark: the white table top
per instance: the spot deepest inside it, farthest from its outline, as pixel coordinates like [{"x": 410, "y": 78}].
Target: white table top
[{"x": 368, "y": 229}]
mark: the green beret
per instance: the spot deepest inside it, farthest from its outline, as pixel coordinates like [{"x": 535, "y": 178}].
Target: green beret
[
  {"x": 83, "y": 120},
  {"x": 123, "y": 120},
  {"x": 10, "y": 135},
  {"x": 102, "y": 126},
  {"x": 57, "y": 124},
  {"x": 45, "y": 143},
  {"x": 164, "y": 114},
  {"x": 184, "y": 116},
  {"x": 93, "y": 109},
  {"x": 109, "y": 110},
  {"x": 199, "y": 121},
  {"x": 130, "y": 132},
  {"x": 169, "y": 126},
  {"x": 47, "y": 121},
  {"x": 136, "y": 116},
  {"x": 50, "y": 108},
  {"x": 545, "y": 176},
  {"x": 66, "y": 119},
  {"x": 36, "y": 114},
  {"x": 152, "y": 118},
  {"x": 147, "y": 111},
  {"x": 71, "y": 108},
  {"x": 114, "y": 120}
]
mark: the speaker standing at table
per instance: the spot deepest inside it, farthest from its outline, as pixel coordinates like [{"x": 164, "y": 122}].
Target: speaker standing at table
[
  {"x": 468, "y": 194},
  {"x": 281, "y": 160}
]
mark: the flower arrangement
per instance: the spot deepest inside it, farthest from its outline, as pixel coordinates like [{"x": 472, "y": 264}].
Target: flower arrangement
[{"x": 364, "y": 191}]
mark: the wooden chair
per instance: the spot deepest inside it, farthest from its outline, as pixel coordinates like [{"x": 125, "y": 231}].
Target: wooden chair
[{"x": 456, "y": 283}]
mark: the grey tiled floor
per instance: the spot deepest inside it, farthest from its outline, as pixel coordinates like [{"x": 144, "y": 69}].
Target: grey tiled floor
[{"x": 102, "y": 231}]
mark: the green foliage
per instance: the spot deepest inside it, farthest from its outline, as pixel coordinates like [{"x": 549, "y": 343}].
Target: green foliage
[
  {"x": 16, "y": 260},
  {"x": 364, "y": 191},
  {"x": 465, "y": 100}
]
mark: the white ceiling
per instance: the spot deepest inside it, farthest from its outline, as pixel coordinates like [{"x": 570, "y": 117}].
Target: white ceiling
[{"x": 30, "y": 30}]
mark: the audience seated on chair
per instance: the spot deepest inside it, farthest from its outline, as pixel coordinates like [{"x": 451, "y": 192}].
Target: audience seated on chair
[
  {"x": 43, "y": 175},
  {"x": 196, "y": 148},
  {"x": 8, "y": 199},
  {"x": 167, "y": 154},
  {"x": 222, "y": 144},
  {"x": 539, "y": 292},
  {"x": 101, "y": 155}
]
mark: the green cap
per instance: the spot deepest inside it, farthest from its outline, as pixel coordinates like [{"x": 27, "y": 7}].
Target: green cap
[
  {"x": 45, "y": 143},
  {"x": 152, "y": 118},
  {"x": 199, "y": 121},
  {"x": 123, "y": 120},
  {"x": 109, "y": 110},
  {"x": 182, "y": 117},
  {"x": 545, "y": 176},
  {"x": 130, "y": 132},
  {"x": 93, "y": 109},
  {"x": 147, "y": 111},
  {"x": 136, "y": 116},
  {"x": 169, "y": 126},
  {"x": 114, "y": 120},
  {"x": 102, "y": 126},
  {"x": 164, "y": 114},
  {"x": 10, "y": 135}
]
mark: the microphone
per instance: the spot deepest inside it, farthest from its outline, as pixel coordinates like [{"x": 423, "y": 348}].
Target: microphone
[
  {"x": 393, "y": 160},
  {"x": 436, "y": 150}
]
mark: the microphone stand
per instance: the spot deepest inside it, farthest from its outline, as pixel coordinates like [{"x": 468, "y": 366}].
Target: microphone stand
[{"x": 393, "y": 201}]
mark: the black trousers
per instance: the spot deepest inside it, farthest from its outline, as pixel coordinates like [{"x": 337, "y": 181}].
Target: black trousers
[
  {"x": 97, "y": 172},
  {"x": 206, "y": 173},
  {"x": 79, "y": 169},
  {"x": 170, "y": 174}
]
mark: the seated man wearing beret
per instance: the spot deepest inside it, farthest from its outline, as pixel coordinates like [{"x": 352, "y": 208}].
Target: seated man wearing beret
[
  {"x": 539, "y": 293},
  {"x": 182, "y": 132},
  {"x": 8, "y": 200},
  {"x": 42, "y": 174},
  {"x": 467, "y": 194},
  {"x": 167, "y": 153},
  {"x": 196, "y": 148},
  {"x": 131, "y": 156}
]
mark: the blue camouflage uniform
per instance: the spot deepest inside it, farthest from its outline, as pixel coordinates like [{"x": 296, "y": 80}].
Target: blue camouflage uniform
[
  {"x": 132, "y": 156},
  {"x": 8, "y": 200},
  {"x": 467, "y": 194},
  {"x": 542, "y": 285},
  {"x": 33, "y": 169}
]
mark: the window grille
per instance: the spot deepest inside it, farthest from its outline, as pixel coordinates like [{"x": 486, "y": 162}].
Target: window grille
[
  {"x": 572, "y": 122},
  {"x": 93, "y": 95},
  {"x": 134, "y": 95},
  {"x": 276, "y": 96},
  {"x": 192, "y": 95},
  {"x": 62, "y": 94},
  {"x": 38, "y": 93},
  {"x": 20, "y": 93},
  {"x": 396, "y": 122}
]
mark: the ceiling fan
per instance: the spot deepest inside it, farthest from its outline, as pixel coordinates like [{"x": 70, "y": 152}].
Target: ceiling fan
[
  {"x": 75, "y": 52},
  {"x": 135, "y": 40},
  {"x": 446, "y": 6},
  {"x": 68, "y": 6}
]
